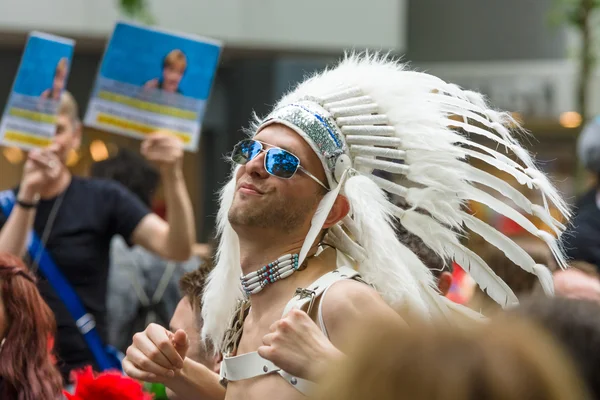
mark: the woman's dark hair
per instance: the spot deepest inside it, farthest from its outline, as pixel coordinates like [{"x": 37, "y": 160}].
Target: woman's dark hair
[
  {"x": 26, "y": 364},
  {"x": 132, "y": 171}
]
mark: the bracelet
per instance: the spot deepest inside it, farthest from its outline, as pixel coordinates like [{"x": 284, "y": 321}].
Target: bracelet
[{"x": 26, "y": 205}]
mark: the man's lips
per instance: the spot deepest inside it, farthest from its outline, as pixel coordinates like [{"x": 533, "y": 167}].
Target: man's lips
[{"x": 250, "y": 189}]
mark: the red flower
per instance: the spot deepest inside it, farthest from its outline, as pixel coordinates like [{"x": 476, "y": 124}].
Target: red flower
[{"x": 104, "y": 386}]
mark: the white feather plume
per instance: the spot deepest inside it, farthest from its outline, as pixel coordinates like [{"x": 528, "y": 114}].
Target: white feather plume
[
  {"x": 432, "y": 143},
  {"x": 223, "y": 289}
]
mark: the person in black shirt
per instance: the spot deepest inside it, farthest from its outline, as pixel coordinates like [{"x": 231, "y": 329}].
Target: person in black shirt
[{"x": 76, "y": 218}]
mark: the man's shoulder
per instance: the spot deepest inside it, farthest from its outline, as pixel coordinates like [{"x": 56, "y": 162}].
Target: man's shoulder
[{"x": 349, "y": 293}]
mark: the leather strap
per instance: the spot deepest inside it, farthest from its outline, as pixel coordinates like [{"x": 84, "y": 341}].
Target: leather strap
[
  {"x": 251, "y": 365},
  {"x": 316, "y": 289}
]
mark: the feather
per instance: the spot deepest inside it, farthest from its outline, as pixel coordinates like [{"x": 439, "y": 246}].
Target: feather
[
  {"x": 374, "y": 140},
  {"x": 349, "y": 111},
  {"x": 501, "y": 208},
  {"x": 391, "y": 267},
  {"x": 462, "y": 314},
  {"x": 348, "y": 102},
  {"x": 378, "y": 152},
  {"x": 521, "y": 177},
  {"x": 343, "y": 242},
  {"x": 493, "y": 182},
  {"x": 378, "y": 119},
  {"x": 555, "y": 248},
  {"x": 485, "y": 277},
  {"x": 349, "y": 223},
  {"x": 444, "y": 242},
  {"x": 388, "y": 166},
  {"x": 548, "y": 190},
  {"x": 223, "y": 289},
  {"x": 545, "y": 277},
  {"x": 481, "y": 132},
  {"x": 368, "y": 130},
  {"x": 491, "y": 152},
  {"x": 318, "y": 220}
]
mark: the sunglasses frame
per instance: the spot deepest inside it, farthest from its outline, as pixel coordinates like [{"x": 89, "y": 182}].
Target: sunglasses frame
[{"x": 266, "y": 150}]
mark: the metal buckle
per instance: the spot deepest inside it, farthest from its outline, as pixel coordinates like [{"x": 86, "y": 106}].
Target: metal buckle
[{"x": 304, "y": 293}]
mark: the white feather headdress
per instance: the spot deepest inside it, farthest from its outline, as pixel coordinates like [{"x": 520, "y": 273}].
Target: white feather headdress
[{"x": 367, "y": 114}]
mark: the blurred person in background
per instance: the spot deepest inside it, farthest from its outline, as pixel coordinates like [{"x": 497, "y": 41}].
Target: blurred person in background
[
  {"x": 582, "y": 240},
  {"x": 76, "y": 219},
  {"x": 575, "y": 324},
  {"x": 501, "y": 360},
  {"x": 142, "y": 287},
  {"x": 58, "y": 83},
  {"x": 187, "y": 317},
  {"x": 581, "y": 281},
  {"x": 27, "y": 328}
]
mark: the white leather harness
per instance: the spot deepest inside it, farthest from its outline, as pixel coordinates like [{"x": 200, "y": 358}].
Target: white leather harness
[{"x": 251, "y": 365}]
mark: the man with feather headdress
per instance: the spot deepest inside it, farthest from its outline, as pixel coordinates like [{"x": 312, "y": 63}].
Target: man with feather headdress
[{"x": 308, "y": 225}]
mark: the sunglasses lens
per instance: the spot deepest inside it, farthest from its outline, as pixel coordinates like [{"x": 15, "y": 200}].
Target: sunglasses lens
[
  {"x": 245, "y": 151},
  {"x": 281, "y": 163}
]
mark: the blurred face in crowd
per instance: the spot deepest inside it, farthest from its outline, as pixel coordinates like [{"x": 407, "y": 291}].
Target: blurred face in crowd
[
  {"x": 60, "y": 78},
  {"x": 172, "y": 74},
  {"x": 67, "y": 137},
  {"x": 265, "y": 201}
]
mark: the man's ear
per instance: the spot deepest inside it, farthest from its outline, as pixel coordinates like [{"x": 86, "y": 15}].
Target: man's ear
[{"x": 340, "y": 209}]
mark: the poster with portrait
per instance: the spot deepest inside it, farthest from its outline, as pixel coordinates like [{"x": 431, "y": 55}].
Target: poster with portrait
[
  {"x": 29, "y": 118},
  {"x": 151, "y": 79}
]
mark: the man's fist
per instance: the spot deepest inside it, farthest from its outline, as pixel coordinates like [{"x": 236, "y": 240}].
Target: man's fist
[
  {"x": 156, "y": 354},
  {"x": 164, "y": 149},
  {"x": 298, "y": 346}
]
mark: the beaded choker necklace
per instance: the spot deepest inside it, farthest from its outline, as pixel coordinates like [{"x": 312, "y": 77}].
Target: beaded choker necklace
[{"x": 281, "y": 268}]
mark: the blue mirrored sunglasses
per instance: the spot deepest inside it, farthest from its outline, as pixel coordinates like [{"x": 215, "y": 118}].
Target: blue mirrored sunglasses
[{"x": 278, "y": 162}]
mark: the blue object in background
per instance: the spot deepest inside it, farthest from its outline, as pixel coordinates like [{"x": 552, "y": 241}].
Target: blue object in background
[
  {"x": 38, "y": 64},
  {"x": 135, "y": 56}
]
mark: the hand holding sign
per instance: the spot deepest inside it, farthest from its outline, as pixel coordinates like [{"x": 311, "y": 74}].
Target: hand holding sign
[
  {"x": 42, "y": 167},
  {"x": 164, "y": 149}
]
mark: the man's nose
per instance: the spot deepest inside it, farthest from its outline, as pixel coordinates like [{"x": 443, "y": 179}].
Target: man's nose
[{"x": 256, "y": 166}]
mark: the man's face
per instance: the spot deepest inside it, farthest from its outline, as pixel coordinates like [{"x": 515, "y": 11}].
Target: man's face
[
  {"x": 186, "y": 318},
  {"x": 265, "y": 201},
  {"x": 172, "y": 75},
  {"x": 59, "y": 80},
  {"x": 67, "y": 137}
]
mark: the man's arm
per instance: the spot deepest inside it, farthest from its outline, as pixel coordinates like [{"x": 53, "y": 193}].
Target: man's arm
[
  {"x": 195, "y": 381},
  {"x": 13, "y": 235},
  {"x": 158, "y": 355},
  {"x": 41, "y": 167},
  {"x": 172, "y": 239},
  {"x": 297, "y": 345}
]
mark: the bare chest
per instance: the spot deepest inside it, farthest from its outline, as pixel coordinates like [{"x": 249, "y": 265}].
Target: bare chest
[{"x": 270, "y": 386}]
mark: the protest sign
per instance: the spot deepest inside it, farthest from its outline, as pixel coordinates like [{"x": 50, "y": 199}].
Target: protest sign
[
  {"x": 151, "y": 79},
  {"x": 29, "y": 119}
]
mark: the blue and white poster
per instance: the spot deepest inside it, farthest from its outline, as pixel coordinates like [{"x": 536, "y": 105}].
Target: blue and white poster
[
  {"x": 150, "y": 80},
  {"x": 29, "y": 119}
]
